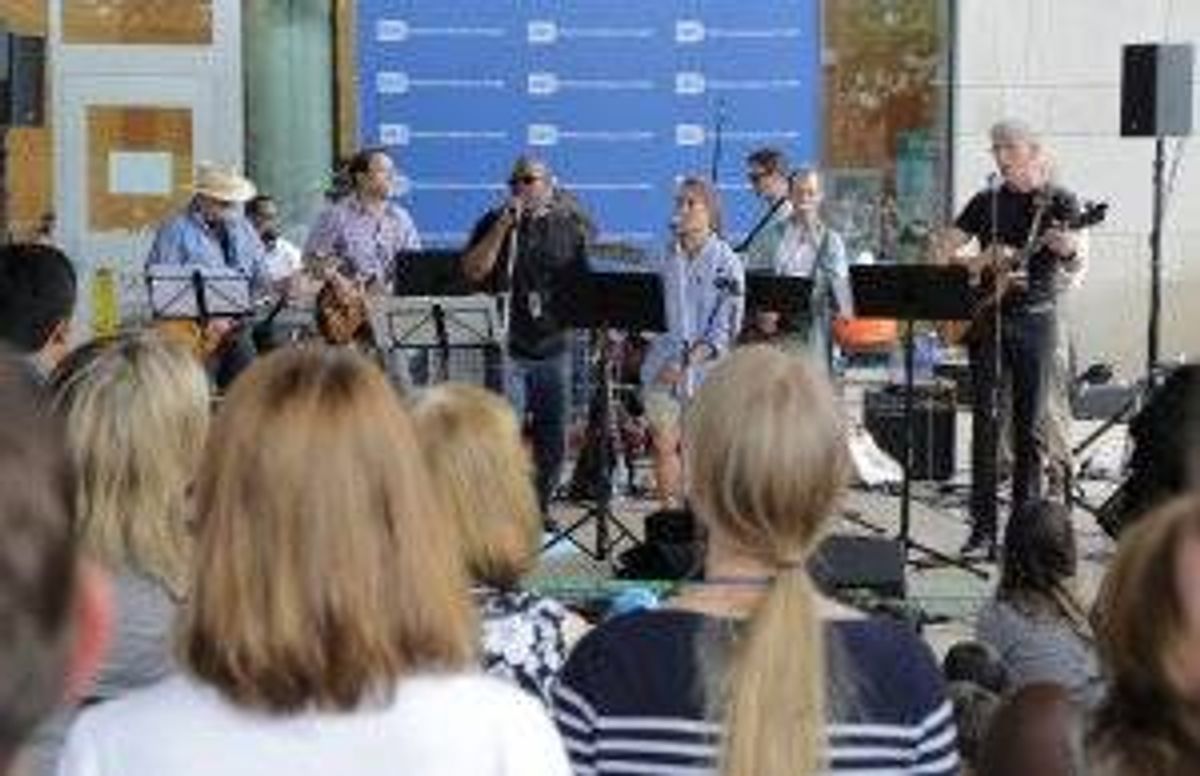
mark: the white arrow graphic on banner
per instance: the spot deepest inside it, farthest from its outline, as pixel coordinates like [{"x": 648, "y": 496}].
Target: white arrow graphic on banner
[
  {"x": 689, "y": 32},
  {"x": 403, "y": 134},
  {"x": 399, "y": 31},
  {"x": 545, "y": 83},
  {"x": 545, "y": 32},
  {"x": 397, "y": 82},
  {"x": 697, "y": 134},
  {"x": 690, "y": 82},
  {"x": 552, "y": 134},
  {"x": 689, "y": 135}
]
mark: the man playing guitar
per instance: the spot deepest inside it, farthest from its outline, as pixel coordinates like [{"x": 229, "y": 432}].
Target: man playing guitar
[
  {"x": 354, "y": 243},
  {"x": 1018, "y": 221}
]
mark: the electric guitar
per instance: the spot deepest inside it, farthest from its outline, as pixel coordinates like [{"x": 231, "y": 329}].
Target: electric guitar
[{"x": 1002, "y": 269}]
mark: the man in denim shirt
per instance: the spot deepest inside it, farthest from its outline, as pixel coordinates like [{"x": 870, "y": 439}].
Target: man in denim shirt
[{"x": 213, "y": 236}]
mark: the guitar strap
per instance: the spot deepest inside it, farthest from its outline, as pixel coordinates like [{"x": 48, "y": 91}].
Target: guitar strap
[{"x": 758, "y": 227}]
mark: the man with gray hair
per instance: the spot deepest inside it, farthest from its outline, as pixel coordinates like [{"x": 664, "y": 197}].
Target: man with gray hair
[{"x": 1021, "y": 222}]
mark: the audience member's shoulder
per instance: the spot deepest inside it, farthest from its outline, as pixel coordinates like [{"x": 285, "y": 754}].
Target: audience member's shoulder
[
  {"x": 638, "y": 633},
  {"x": 145, "y": 708},
  {"x": 889, "y": 646}
]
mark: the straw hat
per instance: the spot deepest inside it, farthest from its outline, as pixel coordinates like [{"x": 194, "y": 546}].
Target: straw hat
[{"x": 222, "y": 184}]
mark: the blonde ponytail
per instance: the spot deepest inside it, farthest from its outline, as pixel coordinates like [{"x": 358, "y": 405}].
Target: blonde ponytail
[
  {"x": 767, "y": 461},
  {"x": 775, "y": 713}
]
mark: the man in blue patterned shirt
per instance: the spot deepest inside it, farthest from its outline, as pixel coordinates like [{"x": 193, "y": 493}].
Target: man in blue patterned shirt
[{"x": 212, "y": 235}]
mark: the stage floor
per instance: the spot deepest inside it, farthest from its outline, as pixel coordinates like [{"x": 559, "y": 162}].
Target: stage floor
[{"x": 946, "y": 595}]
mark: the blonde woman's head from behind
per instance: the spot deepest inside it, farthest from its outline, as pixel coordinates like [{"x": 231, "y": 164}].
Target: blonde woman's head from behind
[
  {"x": 472, "y": 442},
  {"x": 765, "y": 451},
  {"x": 137, "y": 414},
  {"x": 326, "y": 571}
]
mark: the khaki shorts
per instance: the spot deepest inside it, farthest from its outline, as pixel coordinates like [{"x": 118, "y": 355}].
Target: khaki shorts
[{"x": 663, "y": 409}]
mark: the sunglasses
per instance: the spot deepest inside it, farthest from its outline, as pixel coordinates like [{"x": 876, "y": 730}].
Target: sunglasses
[{"x": 527, "y": 180}]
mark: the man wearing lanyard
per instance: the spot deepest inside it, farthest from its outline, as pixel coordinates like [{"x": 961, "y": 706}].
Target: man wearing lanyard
[{"x": 535, "y": 246}]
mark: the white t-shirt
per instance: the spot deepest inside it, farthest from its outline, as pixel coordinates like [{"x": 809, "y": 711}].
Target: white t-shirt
[
  {"x": 282, "y": 260},
  {"x": 435, "y": 726}
]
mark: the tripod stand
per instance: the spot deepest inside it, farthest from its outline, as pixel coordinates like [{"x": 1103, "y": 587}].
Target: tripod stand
[
  {"x": 911, "y": 293},
  {"x": 631, "y": 301}
]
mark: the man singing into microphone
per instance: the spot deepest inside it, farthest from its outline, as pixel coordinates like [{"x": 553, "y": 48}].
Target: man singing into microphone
[
  {"x": 807, "y": 247},
  {"x": 1019, "y": 216},
  {"x": 534, "y": 245},
  {"x": 702, "y": 285}
]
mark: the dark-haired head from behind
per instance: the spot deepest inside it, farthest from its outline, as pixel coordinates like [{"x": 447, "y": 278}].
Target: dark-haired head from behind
[
  {"x": 977, "y": 663},
  {"x": 1166, "y": 446},
  {"x": 37, "y": 299},
  {"x": 1038, "y": 731},
  {"x": 1039, "y": 551}
]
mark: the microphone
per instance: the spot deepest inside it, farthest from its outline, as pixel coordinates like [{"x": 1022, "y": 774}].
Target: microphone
[
  {"x": 727, "y": 285},
  {"x": 994, "y": 179}
]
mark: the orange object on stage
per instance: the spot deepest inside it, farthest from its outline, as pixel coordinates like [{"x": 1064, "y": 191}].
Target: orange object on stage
[{"x": 866, "y": 334}]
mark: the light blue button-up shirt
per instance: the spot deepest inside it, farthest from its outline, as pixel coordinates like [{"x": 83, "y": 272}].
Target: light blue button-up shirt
[
  {"x": 704, "y": 303},
  {"x": 186, "y": 241}
]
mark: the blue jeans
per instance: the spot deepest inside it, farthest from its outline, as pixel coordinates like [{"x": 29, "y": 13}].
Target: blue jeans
[{"x": 539, "y": 389}]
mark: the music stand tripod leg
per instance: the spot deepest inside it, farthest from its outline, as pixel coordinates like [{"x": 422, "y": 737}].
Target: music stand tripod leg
[
  {"x": 907, "y": 542},
  {"x": 600, "y": 514}
]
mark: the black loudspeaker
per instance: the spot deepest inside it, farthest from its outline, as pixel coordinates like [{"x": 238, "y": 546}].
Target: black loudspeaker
[
  {"x": 933, "y": 427},
  {"x": 23, "y": 90},
  {"x": 860, "y": 563},
  {"x": 1156, "y": 90}
]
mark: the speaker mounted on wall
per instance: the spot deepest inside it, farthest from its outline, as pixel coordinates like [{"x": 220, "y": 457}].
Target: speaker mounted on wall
[
  {"x": 1156, "y": 90},
  {"x": 23, "y": 89}
]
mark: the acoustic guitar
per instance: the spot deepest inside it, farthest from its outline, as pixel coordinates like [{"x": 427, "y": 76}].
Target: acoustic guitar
[
  {"x": 1002, "y": 268},
  {"x": 341, "y": 311}
]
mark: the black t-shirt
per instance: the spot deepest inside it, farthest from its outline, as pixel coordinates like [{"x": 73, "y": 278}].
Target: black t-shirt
[
  {"x": 551, "y": 256},
  {"x": 1014, "y": 215}
]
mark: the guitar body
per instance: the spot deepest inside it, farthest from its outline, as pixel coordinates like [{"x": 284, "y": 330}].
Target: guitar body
[{"x": 1000, "y": 269}]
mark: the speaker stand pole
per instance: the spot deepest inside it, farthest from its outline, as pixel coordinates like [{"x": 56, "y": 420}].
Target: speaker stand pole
[{"x": 1155, "y": 262}]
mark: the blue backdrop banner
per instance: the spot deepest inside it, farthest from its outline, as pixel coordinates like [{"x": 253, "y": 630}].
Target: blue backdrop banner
[{"x": 621, "y": 97}]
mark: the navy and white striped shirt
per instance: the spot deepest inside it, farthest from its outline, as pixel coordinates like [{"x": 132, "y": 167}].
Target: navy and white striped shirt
[{"x": 631, "y": 699}]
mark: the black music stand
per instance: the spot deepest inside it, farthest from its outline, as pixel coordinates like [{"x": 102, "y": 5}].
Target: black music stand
[
  {"x": 430, "y": 272},
  {"x": 788, "y": 295},
  {"x": 630, "y": 301},
  {"x": 194, "y": 295},
  {"x": 438, "y": 324},
  {"x": 911, "y": 293},
  {"x": 434, "y": 276}
]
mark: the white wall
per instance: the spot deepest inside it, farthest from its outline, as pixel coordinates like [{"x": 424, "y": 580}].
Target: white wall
[{"x": 1057, "y": 65}]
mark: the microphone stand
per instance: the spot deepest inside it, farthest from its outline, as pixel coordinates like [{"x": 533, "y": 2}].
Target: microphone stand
[
  {"x": 997, "y": 357},
  {"x": 510, "y": 271},
  {"x": 718, "y": 132}
]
